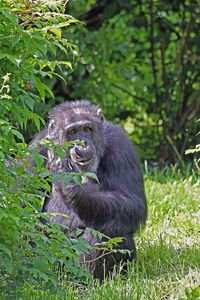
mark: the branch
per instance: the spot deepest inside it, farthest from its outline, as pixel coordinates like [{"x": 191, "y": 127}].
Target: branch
[
  {"x": 180, "y": 62},
  {"x": 162, "y": 49},
  {"x": 190, "y": 110},
  {"x": 185, "y": 37},
  {"x": 153, "y": 62},
  {"x": 129, "y": 93}
]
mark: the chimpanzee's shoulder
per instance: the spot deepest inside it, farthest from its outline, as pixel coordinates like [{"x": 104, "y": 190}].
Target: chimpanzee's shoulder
[
  {"x": 115, "y": 133},
  {"x": 111, "y": 128}
]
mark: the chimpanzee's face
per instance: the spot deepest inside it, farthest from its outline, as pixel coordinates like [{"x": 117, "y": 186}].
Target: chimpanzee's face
[
  {"x": 83, "y": 128},
  {"x": 83, "y": 154}
]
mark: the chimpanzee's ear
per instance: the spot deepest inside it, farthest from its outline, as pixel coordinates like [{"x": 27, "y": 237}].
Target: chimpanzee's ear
[{"x": 100, "y": 114}]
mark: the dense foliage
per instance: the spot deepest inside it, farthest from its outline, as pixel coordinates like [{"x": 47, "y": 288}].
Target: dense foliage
[
  {"x": 139, "y": 60},
  {"x": 30, "y": 251}
]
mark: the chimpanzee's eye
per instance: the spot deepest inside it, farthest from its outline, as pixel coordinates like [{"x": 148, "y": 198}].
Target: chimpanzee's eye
[
  {"x": 72, "y": 131},
  {"x": 88, "y": 129}
]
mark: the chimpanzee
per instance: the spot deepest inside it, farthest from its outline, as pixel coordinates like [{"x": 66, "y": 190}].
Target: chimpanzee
[{"x": 116, "y": 206}]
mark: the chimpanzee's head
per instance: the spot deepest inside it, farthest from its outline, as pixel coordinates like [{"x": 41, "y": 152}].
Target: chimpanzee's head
[{"x": 78, "y": 121}]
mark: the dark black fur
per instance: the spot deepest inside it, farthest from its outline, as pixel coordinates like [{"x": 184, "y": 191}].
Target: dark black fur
[{"x": 116, "y": 206}]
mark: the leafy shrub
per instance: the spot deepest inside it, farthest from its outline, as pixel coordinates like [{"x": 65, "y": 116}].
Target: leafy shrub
[{"x": 30, "y": 34}]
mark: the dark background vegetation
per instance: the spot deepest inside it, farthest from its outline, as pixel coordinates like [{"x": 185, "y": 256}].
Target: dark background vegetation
[{"x": 139, "y": 60}]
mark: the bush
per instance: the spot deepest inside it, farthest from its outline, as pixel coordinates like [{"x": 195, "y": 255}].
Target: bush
[{"x": 30, "y": 34}]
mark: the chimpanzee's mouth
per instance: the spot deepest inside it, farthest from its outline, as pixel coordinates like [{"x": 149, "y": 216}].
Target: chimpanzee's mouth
[{"x": 82, "y": 160}]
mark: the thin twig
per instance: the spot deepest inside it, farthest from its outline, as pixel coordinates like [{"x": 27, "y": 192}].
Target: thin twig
[
  {"x": 129, "y": 93},
  {"x": 180, "y": 61},
  {"x": 27, "y": 21},
  {"x": 162, "y": 49},
  {"x": 98, "y": 257},
  {"x": 192, "y": 108}
]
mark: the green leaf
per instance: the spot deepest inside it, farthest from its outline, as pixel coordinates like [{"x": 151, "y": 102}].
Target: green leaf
[
  {"x": 7, "y": 264},
  {"x": 77, "y": 179},
  {"x": 59, "y": 76},
  {"x": 57, "y": 176},
  {"x": 56, "y": 31},
  {"x": 62, "y": 48},
  {"x": 40, "y": 263},
  {"x": 60, "y": 152},
  {"x": 65, "y": 63},
  {"x": 92, "y": 175},
  {"x": 2, "y": 55},
  {"x": 17, "y": 112},
  {"x": 29, "y": 44},
  {"x": 64, "y": 215},
  {"x": 195, "y": 294},
  {"x": 10, "y": 57},
  {"x": 37, "y": 121},
  {"x": 12, "y": 17},
  {"x": 39, "y": 160},
  {"x": 30, "y": 102},
  {"x": 16, "y": 219},
  {"x": 67, "y": 178},
  {"x": 52, "y": 47},
  {"x": 18, "y": 134},
  {"x": 5, "y": 249},
  {"x": 67, "y": 23},
  {"x": 81, "y": 245},
  {"x": 40, "y": 88},
  {"x": 45, "y": 174},
  {"x": 2, "y": 156},
  {"x": 48, "y": 90}
]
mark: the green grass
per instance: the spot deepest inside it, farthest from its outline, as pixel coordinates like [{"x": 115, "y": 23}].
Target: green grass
[{"x": 168, "y": 262}]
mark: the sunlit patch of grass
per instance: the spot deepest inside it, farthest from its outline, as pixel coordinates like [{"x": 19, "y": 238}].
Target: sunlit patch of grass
[{"x": 168, "y": 262}]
